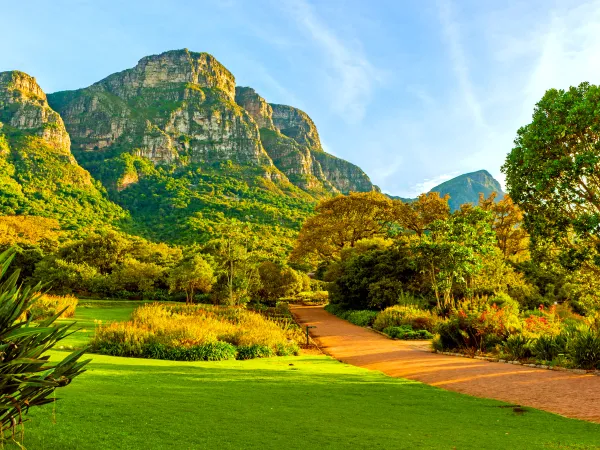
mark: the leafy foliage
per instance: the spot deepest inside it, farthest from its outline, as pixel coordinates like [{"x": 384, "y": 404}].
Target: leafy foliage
[
  {"x": 50, "y": 305},
  {"x": 38, "y": 180},
  {"x": 340, "y": 223},
  {"x": 552, "y": 173},
  {"x": 194, "y": 274},
  {"x": 27, "y": 377}
]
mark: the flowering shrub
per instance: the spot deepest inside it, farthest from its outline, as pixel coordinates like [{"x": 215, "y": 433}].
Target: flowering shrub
[
  {"x": 477, "y": 326},
  {"x": 544, "y": 322},
  {"x": 195, "y": 332}
]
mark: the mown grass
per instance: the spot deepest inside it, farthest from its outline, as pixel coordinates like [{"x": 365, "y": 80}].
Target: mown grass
[
  {"x": 287, "y": 402},
  {"x": 317, "y": 402}
]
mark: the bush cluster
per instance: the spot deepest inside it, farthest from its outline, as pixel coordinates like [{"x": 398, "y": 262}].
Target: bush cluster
[
  {"x": 400, "y": 315},
  {"x": 406, "y": 332},
  {"x": 541, "y": 335},
  {"x": 308, "y": 298},
  {"x": 398, "y": 322},
  {"x": 196, "y": 333},
  {"x": 362, "y": 318},
  {"x": 50, "y": 305}
]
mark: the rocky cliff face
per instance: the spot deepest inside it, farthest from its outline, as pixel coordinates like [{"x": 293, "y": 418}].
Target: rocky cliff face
[
  {"x": 38, "y": 173},
  {"x": 23, "y": 105},
  {"x": 257, "y": 107},
  {"x": 177, "y": 107},
  {"x": 297, "y": 125},
  {"x": 291, "y": 139},
  {"x": 182, "y": 107}
]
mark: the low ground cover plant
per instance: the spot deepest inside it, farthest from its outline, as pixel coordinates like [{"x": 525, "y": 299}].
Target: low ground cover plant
[
  {"x": 406, "y": 332},
  {"x": 196, "y": 333},
  {"x": 362, "y": 318}
]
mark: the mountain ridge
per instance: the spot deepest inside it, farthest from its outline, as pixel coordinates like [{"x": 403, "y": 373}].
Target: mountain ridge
[
  {"x": 178, "y": 148},
  {"x": 466, "y": 188},
  {"x": 181, "y": 105}
]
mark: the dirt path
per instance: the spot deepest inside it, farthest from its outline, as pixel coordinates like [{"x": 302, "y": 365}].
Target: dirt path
[{"x": 564, "y": 393}]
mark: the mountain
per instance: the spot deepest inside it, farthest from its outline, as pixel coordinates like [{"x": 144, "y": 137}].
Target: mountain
[
  {"x": 179, "y": 146},
  {"x": 169, "y": 149},
  {"x": 182, "y": 108},
  {"x": 467, "y": 187},
  {"x": 38, "y": 173}
]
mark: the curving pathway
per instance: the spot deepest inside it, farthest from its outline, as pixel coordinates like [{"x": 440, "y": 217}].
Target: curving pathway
[{"x": 564, "y": 393}]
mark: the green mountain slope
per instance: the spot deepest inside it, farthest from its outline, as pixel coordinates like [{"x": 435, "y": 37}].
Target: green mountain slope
[
  {"x": 178, "y": 146},
  {"x": 467, "y": 187},
  {"x": 38, "y": 173}
]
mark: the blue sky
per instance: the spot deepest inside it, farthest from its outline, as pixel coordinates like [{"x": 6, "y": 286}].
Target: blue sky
[{"x": 414, "y": 92}]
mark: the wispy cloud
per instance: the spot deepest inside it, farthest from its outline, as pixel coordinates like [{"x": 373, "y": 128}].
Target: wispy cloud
[
  {"x": 351, "y": 74},
  {"x": 428, "y": 184},
  {"x": 452, "y": 35}
]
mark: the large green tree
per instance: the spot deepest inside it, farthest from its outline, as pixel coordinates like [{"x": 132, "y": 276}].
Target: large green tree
[
  {"x": 454, "y": 252},
  {"x": 553, "y": 174},
  {"x": 192, "y": 275}
]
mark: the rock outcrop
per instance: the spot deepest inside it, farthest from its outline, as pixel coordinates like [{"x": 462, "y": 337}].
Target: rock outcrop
[
  {"x": 177, "y": 107},
  {"x": 38, "y": 173},
  {"x": 467, "y": 187},
  {"x": 291, "y": 139},
  {"x": 182, "y": 107},
  {"x": 259, "y": 109},
  {"x": 297, "y": 125},
  {"x": 24, "y": 106}
]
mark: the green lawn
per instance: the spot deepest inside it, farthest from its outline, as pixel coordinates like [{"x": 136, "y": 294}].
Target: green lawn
[{"x": 307, "y": 402}]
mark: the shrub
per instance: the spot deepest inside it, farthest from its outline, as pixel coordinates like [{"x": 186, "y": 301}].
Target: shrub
[
  {"x": 584, "y": 348},
  {"x": 213, "y": 351},
  {"x": 517, "y": 346},
  {"x": 309, "y": 298},
  {"x": 253, "y": 351},
  {"x": 548, "y": 347},
  {"x": 502, "y": 300},
  {"x": 542, "y": 322},
  {"x": 416, "y": 318},
  {"x": 406, "y": 332},
  {"x": 27, "y": 378},
  {"x": 49, "y": 305},
  {"x": 194, "y": 333},
  {"x": 363, "y": 318},
  {"x": 335, "y": 309},
  {"x": 477, "y": 326}
]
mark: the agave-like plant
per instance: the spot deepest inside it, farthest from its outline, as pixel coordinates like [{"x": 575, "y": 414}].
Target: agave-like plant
[{"x": 27, "y": 376}]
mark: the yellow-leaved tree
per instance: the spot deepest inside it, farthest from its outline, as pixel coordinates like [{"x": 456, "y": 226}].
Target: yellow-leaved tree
[{"x": 340, "y": 223}]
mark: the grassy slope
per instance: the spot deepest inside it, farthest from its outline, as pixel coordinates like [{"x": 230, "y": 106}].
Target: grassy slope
[{"x": 293, "y": 402}]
